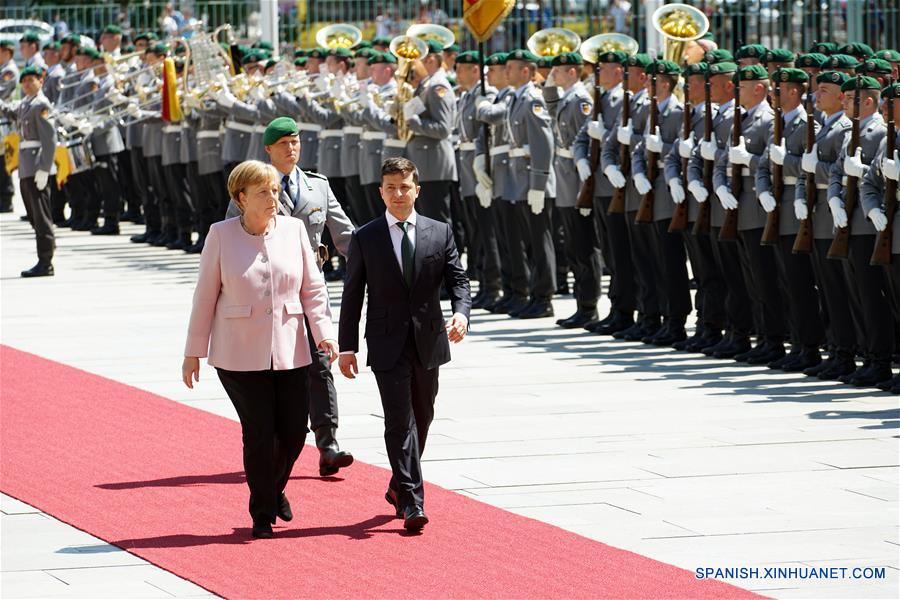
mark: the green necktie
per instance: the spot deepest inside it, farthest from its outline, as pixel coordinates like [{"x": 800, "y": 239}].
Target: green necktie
[{"x": 407, "y": 254}]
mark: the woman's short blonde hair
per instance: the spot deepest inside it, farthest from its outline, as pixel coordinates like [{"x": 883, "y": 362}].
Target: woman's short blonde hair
[{"x": 249, "y": 172}]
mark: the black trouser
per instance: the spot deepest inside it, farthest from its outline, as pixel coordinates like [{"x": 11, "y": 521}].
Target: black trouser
[
  {"x": 559, "y": 248},
  {"x": 617, "y": 257},
  {"x": 710, "y": 297},
  {"x": 359, "y": 206},
  {"x": 474, "y": 241},
  {"x": 646, "y": 267},
  {"x": 582, "y": 247},
  {"x": 156, "y": 216},
  {"x": 79, "y": 187},
  {"x": 178, "y": 209},
  {"x": 458, "y": 221},
  {"x": 57, "y": 200},
  {"x": 7, "y": 190},
  {"x": 373, "y": 199},
  {"x": 109, "y": 190},
  {"x": 516, "y": 232},
  {"x": 213, "y": 201},
  {"x": 761, "y": 270},
  {"x": 38, "y": 203},
  {"x": 796, "y": 275},
  {"x": 407, "y": 391},
  {"x": 127, "y": 182},
  {"x": 273, "y": 408},
  {"x": 434, "y": 201},
  {"x": 841, "y": 331},
  {"x": 499, "y": 210},
  {"x": 488, "y": 247},
  {"x": 228, "y": 168},
  {"x": 675, "y": 291},
  {"x": 892, "y": 273},
  {"x": 140, "y": 201},
  {"x": 729, "y": 262},
  {"x": 198, "y": 205},
  {"x": 872, "y": 287},
  {"x": 536, "y": 231},
  {"x": 323, "y": 408}
]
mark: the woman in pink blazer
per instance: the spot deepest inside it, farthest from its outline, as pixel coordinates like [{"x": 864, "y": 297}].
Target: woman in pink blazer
[{"x": 258, "y": 280}]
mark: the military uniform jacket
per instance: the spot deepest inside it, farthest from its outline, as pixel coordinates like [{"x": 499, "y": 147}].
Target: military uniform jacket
[
  {"x": 498, "y": 152},
  {"x": 38, "y": 142},
  {"x": 871, "y": 134},
  {"x": 610, "y": 111},
  {"x": 469, "y": 129},
  {"x": 673, "y": 163},
  {"x": 570, "y": 113},
  {"x": 238, "y": 129},
  {"x": 430, "y": 146},
  {"x": 9, "y": 79},
  {"x": 153, "y": 127},
  {"x": 829, "y": 141},
  {"x": 171, "y": 144},
  {"x": 309, "y": 132},
  {"x": 315, "y": 205},
  {"x": 188, "y": 149},
  {"x": 53, "y": 81},
  {"x": 105, "y": 139},
  {"x": 723, "y": 121},
  {"x": 209, "y": 139},
  {"x": 756, "y": 127},
  {"x": 609, "y": 155},
  {"x": 671, "y": 125},
  {"x": 371, "y": 142},
  {"x": 871, "y": 193},
  {"x": 531, "y": 146},
  {"x": 352, "y": 130},
  {"x": 329, "y": 159},
  {"x": 794, "y": 136},
  {"x": 260, "y": 114}
]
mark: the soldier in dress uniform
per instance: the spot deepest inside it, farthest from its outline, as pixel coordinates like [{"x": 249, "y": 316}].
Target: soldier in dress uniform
[
  {"x": 893, "y": 57},
  {"x": 152, "y": 134},
  {"x": 30, "y": 48},
  {"x": 778, "y": 58},
  {"x": 9, "y": 78},
  {"x": 238, "y": 130},
  {"x": 843, "y": 63},
  {"x": 382, "y": 66},
  {"x": 750, "y": 54},
  {"x": 55, "y": 70},
  {"x": 876, "y": 67}
]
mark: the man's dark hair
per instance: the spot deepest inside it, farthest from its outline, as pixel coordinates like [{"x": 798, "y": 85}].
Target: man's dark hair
[{"x": 401, "y": 165}]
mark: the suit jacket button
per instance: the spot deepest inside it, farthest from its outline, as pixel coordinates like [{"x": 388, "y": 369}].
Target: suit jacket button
[
  {"x": 269, "y": 311},
  {"x": 264, "y": 259},
  {"x": 267, "y": 293}
]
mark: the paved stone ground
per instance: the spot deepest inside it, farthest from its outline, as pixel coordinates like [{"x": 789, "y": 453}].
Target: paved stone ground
[{"x": 695, "y": 462}]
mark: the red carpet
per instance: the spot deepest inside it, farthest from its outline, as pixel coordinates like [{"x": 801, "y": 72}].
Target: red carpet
[{"x": 164, "y": 481}]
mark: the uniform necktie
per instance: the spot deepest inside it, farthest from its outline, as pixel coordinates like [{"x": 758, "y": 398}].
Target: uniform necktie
[
  {"x": 407, "y": 253},
  {"x": 286, "y": 194}
]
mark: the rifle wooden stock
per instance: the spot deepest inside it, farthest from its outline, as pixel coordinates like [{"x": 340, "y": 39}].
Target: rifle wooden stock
[
  {"x": 804, "y": 240},
  {"x": 840, "y": 245},
  {"x": 770, "y": 232},
  {"x": 645, "y": 209},
  {"x": 586, "y": 193},
  {"x": 729, "y": 230},
  {"x": 881, "y": 254},
  {"x": 702, "y": 224},
  {"x": 617, "y": 204},
  {"x": 680, "y": 213}
]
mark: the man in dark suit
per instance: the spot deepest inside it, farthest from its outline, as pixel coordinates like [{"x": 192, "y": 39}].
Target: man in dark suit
[{"x": 404, "y": 259}]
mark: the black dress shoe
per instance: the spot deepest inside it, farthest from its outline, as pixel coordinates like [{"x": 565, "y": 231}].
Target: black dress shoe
[
  {"x": 163, "y": 239},
  {"x": 775, "y": 351},
  {"x": 334, "y": 275},
  {"x": 41, "y": 269},
  {"x": 501, "y": 307},
  {"x": 652, "y": 335},
  {"x": 331, "y": 457},
  {"x": 841, "y": 366},
  {"x": 687, "y": 341},
  {"x": 284, "y": 509},
  {"x": 726, "y": 341},
  {"x": 180, "y": 243},
  {"x": 709, "y": 338},
  {"x": 879, "y": 372},
  {"x": 615, "y": 325},
  {"x": 195, "y": 248},
  {"x": 593, "y": 326},
  {"x": 889, "y": 384},
  {"x": 861, "y": 370},
  {"x": 807, "y": 358},
  {"x": 814, "y": 370},
  {"x": 647, "y": 328},
  {"x": 24, "y": 218},
  {"x": 391, "y": 496},
  {"x": 896, "y": 389},
  {"x": 129, "y": 216},
  {"x": 262, "y": 530},
  {"x": 414, "y": 518},
  {"x": 516, "y": 309},
  {"x": 579, "y": 319},
  {"x": 562, "y": 289},
  {"x": 779, "y": 363},
  {"x": 762, "y": 347},
  {"x": 631, "y": 331},
  {"x": 141, "y": 238},
  {"x": 489, "y": 300},
  {"x": 107, "y": 229},
  {"x": 670, "y": 336},
  {"x": 84, "y": 226},
  {"x": 538, "y": 310}
]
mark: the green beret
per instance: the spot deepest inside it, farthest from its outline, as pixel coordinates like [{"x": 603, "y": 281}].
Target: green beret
[
  {"x": 888, "y": 55},
  {"x": 278, "y": 128},
  {"x": 891, "y": 91},
  {"x": 159, "y": 49},
  {"x": 319, "y": 53},
  {"x": 113, "y": 29},
  {"x": 612, "y": 56},
  {"x": 833, "y": 77},
  {"x": 779, "y": 55},
  {"x": 255, "y": 56},
  {"x": 300, "y": 61},
  {"x": 91, "y": 53},
  {"x": 523, "y": 55},
  {"x": 789, "y": 75},
  {"x": 363, "y": 52},
  {"x": 72, "y": 38},
  {"x": 381, "y": 40},
  {"x": 271, "y": 63},
  {"x": 497, "y": 58},
  {"x": 826, "y": 48},
  {"x": 752, "y": 73},
  {"x": 261, "y": 44},
  {"x": 813, "y": 60},
  {"x": 52, "y": 46},
  {"x": 472, "y": 57},
  {"x": 7, "y": 44},
  {"x": 454, "y": 48},
  {"x": 179, "y": 49},
  {"x": 639, "y": 60},
  {"x": 31, "y": 37},
  {"x": 434, "y": 47},
  {"x": 842, "y": 61},
  {"x": 663, "y": 67},
  {"x": 857, "y": 49},
  {"x": 128, "y": 49},
  {"x": 340, "y": 53},
  {"x": 545, "y": 62},
  {"x": 382, "y": 58},
  {"x": 567, "y": 59},
  {"x": 147, "y": 35},
  {"x": 363, "y": 44},
  {"x": 865, "y": 83},
  {"x": 751, "y": 51},
  {"x": 875, "y": 66},
  {"x": 32, "y": 70},
  {"x": 716, "y": 56},
  {"x": 723, "y": 68},
  {"x": 300, "y": 52},
  {"x": 700, "y": 68}
]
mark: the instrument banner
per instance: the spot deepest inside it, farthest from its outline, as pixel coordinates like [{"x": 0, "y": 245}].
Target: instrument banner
[
  {"x": 171, "y": 107},
  {"x": 482, "y": 17},
  {"x": 63, "y": 165},
  {"x": 11, "y": 152}
]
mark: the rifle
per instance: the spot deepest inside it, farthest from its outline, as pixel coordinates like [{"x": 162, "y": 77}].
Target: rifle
[
  {"x": 770, "y": 233},
  {"x": 484, "y": 126},
  {"x": 586, "y": 194},
  {"x": 617, "y": 204},
  {"x": 701, "y": 225},
  {"x": 840, "y": 245},
  {"x": 645, "y": 210},
  {"x": 803, "y": 241},
  {"x": 728, "y": 232},
  {"x": 881, "y": 254},
  {"x": 680, "y": 214}
]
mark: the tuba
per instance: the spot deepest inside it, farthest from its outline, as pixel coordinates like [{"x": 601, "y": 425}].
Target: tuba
[
  {"x": 432, "y": 33},
  {"x": 593, "y": 47},
  {"x": 679, "y": 24},
  {"x": 553, "y": 41},
  {"x": 339, "y": 35},
  {"x": 408, "y": 49}
]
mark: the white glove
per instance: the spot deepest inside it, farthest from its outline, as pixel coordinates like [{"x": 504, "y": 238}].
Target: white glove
[
  {"x": 84, "y": 128},
  {"x": 225, "y": 98},
  {"x": 777, "y": 154},
  {"x": 584, "y": 212},
  {"x": 686, "y": 147},
  {"x": 879, "y": 220},
  {"x": 337, "y": 88},
  {"x": 322, "y": 83},
  {"x": 726, "y": 198},
  {"x": 481, "y": 103},
  {"x": 596, "y": 130},
  {"x": 739, "y": 155},
  {"x": 810, "y": 160},
  {"x": 40, "y": 179},
  {"x": 536, "y": 201},
  {"x": 801, "y": 211},
  {"x": 853, "y": 165},
  {"x": 480, "y": 167},
  {"x": 67, "y": 120},
  {"x": 891, "y": 167},
  {"x": 654, "y": 142},
  {"x": 623, "y": 134},
  {"x": 550, "y": 81},
  {"x": 187, "y": 101},
  {"x": 133, "y": 110},
  {"x": 614, "y": 174},
  {"x": 584, "y": 169},
  {"x": 642, "y": 184},
  {"x": 323, "y": 69},
  {"x": 767, "y": 201},
  {"x": 699, "y": 192},
  {"x": 484, "y": 194},
  {"x": 413, "y": 108},
  {"x": 708, "y": 149},
  {"x": 838, "y": 214},
  {"x": 677, "y": 191}
]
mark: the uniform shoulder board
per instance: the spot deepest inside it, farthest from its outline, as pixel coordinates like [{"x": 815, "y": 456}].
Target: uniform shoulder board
[{"x": 315, "y": 175}]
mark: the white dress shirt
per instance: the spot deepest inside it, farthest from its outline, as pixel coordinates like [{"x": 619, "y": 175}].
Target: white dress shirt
[{"x": 397, "y": 234}]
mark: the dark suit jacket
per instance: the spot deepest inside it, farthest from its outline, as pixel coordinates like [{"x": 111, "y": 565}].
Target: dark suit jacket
[{"x": 392, "y": 307}]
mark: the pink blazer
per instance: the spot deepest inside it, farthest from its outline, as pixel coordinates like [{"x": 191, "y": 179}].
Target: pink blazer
[{"x": 252, "y": 295}]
